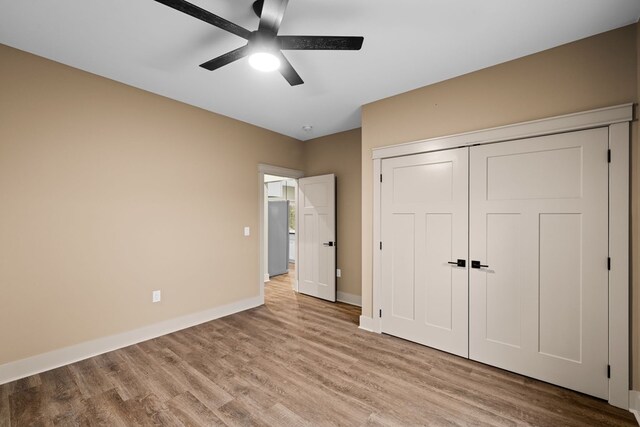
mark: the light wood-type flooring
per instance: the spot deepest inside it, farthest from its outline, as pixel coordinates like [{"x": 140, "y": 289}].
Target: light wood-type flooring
[{"x": 297, "y": 361}]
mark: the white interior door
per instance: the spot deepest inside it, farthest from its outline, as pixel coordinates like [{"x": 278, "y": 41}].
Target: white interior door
[
  {"x": 539, "y": 226},
  {"x": 425, "y": 230},
  {"x": 317, "y": 236}
]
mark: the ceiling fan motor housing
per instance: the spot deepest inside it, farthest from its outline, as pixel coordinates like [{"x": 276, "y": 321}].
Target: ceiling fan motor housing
[
  {"x": 257, "y": 7},
  {"x": 263, "y": 41}
]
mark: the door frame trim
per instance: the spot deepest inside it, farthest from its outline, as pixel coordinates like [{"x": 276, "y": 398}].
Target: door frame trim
[
  {"x": 619, "y": 274},
  {"x": 617, "y": 119},
  {"x": 558, "y": 124},
  {"x": 286, "y": 173}
]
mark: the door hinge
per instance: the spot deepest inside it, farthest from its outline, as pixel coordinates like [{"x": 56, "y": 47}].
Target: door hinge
[
  {"x": 380, "y": 313},
  {"x": 609, "y": 156},
  {"x": 380, "y": 177},
  {"x": 609, "y": 263},
  {"x": 380, "y": 245},
  {"x": 608, "y": 371}
]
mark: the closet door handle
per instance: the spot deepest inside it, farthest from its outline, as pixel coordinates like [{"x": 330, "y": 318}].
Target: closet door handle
[
  {"x": 476, "y": 264},
  {"x": 459, "y": 263},
  {"x": 329, "y": 244}
]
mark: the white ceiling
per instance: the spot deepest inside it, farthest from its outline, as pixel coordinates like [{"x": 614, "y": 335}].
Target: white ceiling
[{"x": 408, "y": 44}]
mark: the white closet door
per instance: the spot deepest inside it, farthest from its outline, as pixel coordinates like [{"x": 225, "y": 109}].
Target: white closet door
[
  {"x": 424, "y": 228},
  {"x": 317, "y": 236},
  {"x": 538, "y": 222}
]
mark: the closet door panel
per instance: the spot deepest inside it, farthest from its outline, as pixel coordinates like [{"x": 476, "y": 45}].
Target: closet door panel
[
  {"x": 539, "y": 227},
  {"x": 424, "y": 229}
]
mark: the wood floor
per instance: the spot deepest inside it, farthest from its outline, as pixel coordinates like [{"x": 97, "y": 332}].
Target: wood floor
[{"x": 295, "y": 361}]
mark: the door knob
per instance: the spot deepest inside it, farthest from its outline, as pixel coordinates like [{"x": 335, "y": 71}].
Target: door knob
[
  {"x": 459, "y": 263},
  {"x": 329, "y": 244},
  {"x": 476, "y": 264}
]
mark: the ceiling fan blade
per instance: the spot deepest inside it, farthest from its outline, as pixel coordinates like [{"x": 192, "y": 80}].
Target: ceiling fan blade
[
  {"x": 206, "y": 16},
  {"x": 319, "y": 43},
  {"x": 287, "y": 71},
  {"x": 272, "y": 14},
  {"x": 225, "y": 59}
]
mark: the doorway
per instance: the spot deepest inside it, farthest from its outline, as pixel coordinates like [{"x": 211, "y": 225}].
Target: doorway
[
  {"x": 280, "y": 225},
  {"x": 307, "y": 239},
  {"x": 266, "y": 174}
]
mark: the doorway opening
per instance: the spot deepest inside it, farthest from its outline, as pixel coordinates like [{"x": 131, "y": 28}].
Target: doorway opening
[
  {"x": 278, "y": 186},
  {"x": 280, "y": 225},
  {"x": 302, "y": 239}
]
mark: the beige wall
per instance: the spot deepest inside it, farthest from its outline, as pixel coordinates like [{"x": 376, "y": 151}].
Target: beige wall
[
  {"x": 340, "y": 154},
  {"x": 108, "y": 192},
  {"x": 596, "y": 72}
]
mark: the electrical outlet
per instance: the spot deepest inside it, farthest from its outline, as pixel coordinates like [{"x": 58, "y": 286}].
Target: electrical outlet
[
  {"x": 247, "y": 231},
  {"x": 338, "y": 273},
  {"x": 155, "y": 296}
]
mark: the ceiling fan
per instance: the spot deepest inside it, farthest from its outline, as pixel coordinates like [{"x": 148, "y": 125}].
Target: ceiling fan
[{"x": 264, "y": 46}]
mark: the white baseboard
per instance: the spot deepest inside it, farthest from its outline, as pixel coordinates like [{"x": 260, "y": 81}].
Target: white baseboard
[
  {"x": 266, "y": 277},
  {"x": 349, "y": 298},
  {"x": 634, "y": 404},
  {"x": 54, "y": 359},
  {"x": 367, "y": 324}
]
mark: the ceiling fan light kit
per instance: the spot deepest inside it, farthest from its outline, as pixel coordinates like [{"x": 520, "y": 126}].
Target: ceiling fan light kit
[
  {"x": 264, "y": 46},
  {"x": 264, "y": 61},
  {"x": 263, "y": 52}
]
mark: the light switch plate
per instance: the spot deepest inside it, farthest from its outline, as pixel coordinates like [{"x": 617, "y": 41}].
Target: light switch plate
[
  {"x": 338, "y": 273},
  {"x": 247, "y": 231},
  {"x": 155, "y": 296}
]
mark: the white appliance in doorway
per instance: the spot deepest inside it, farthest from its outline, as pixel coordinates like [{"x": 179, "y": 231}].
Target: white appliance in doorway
[{"x": 278, "y": 218}]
